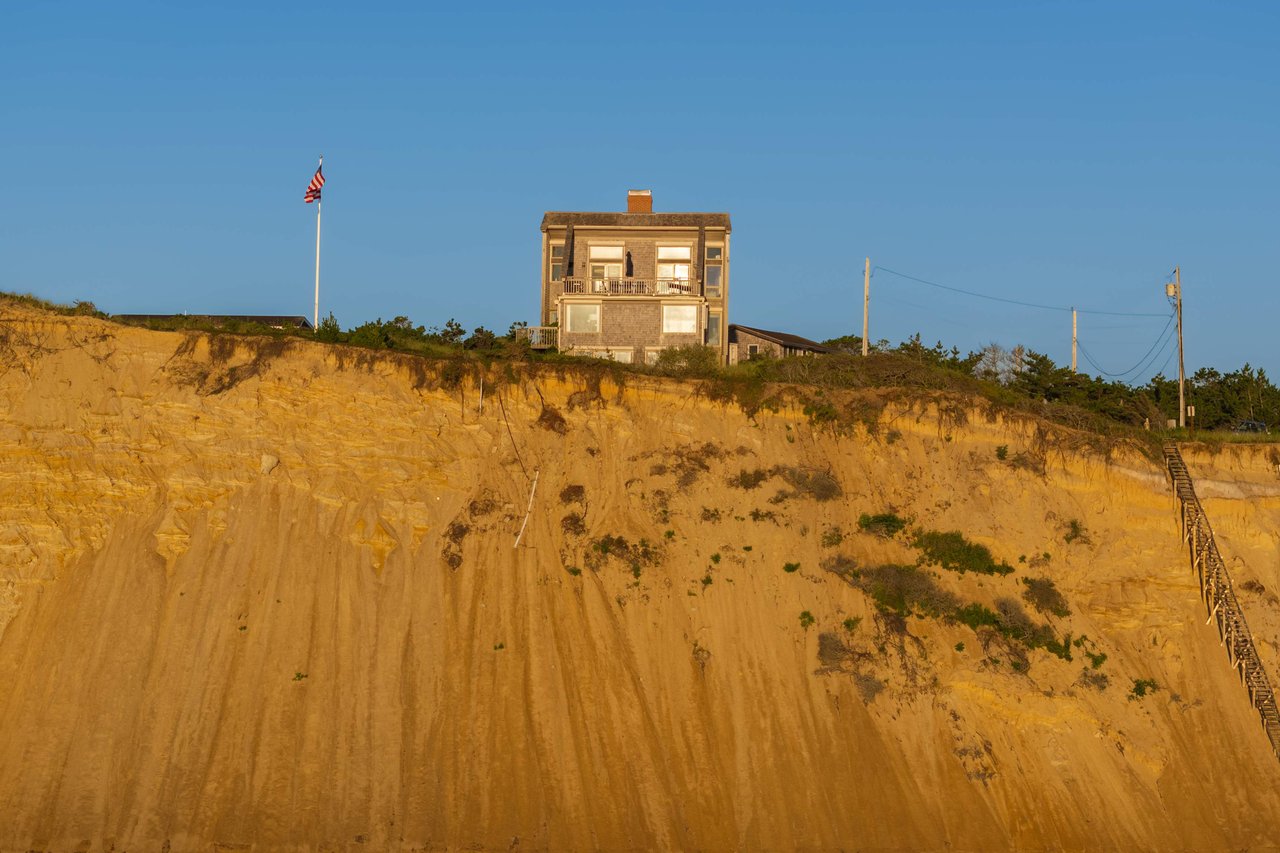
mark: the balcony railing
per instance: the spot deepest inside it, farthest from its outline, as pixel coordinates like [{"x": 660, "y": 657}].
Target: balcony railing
[
  {"x": 631, "y": 286},
  {"x": 541, "y": 337}
]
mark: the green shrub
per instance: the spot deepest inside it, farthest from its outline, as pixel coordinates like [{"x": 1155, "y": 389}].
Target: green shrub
[
  {"x": 806, "y": 619},
  {"x": 851, "y": 624},
  {"x": 831, "y": 537},
  {"x": 954, "y": 553},
  {"x": 1002, "y": 452},
  {"x": 715, "y": 558},
  {"x": 1141, "y": 687},
  {"x": 1075, "y": 533},
  {"x": 885, "y": 524},
  {"x": 791, "y": 567},
  {"x": 959, "y": 647}
]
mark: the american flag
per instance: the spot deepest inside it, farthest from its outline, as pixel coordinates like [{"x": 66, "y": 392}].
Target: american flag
[{"x": 313, "y": 188}]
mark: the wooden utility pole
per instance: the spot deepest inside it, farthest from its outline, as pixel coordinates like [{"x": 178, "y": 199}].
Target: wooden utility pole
[
  {"x": 866, "y": 304},
  {"x": 1075, "y": 339},
  {"x": 1182, "y": 371}
]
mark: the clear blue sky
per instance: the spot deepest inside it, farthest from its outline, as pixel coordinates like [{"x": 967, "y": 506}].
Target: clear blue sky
[{"x": 1064, "y": 153}]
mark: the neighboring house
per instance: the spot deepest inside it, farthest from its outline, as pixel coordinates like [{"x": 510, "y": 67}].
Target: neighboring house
[
  {"x": 746, "y": 343},
  {"x": 628, "y": 285},
  {"x": 274, "y": 321}
]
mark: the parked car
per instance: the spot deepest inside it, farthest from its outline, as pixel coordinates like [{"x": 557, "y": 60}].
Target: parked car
[{"x": 1251, "y": 426}]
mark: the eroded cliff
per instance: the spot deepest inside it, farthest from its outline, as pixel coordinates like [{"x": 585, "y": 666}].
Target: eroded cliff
[{"x": 266, "y": 596}]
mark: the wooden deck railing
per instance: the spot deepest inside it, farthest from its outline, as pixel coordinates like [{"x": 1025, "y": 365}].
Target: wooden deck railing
[
  {"x": 541, "y": 337},
  {"x": 631, "y": 286},
  {"x": 1220, "y": 597}
]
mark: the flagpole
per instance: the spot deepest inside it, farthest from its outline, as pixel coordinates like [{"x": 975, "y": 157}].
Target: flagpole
[{"x": 315, "y": 316}]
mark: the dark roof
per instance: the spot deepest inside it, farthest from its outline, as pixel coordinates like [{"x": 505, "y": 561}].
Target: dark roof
[
  {"x": 554, "y": 218},
  {"x": 779, "y": 338},
  {"x": 276, "y": 321}
]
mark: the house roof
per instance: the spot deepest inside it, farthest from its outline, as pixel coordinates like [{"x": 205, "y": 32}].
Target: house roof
[
  {"x": 780, "y": 338},
  {"x": 561, "y": 218},
  {"x": 278, "y": 321}
]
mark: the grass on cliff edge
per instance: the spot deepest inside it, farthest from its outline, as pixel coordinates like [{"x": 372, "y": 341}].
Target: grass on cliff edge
[{"x": 1106, "y": 410}]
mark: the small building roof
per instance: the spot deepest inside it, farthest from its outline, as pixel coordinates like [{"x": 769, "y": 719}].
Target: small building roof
[
  {"x": 580, "y": 219},
  {"x": 782, "y": 339}
]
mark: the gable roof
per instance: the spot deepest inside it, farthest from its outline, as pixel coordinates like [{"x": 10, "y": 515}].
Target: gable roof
[
  {"x": 561, "y": 218},
  {"x": 782, "y": 339}
]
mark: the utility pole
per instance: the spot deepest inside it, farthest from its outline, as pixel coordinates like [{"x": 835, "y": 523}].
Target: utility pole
[
  {"x": 1075, "y": 339},
  {"x": 1174, "y": 291},
  {"x": 866, "y": 304}
]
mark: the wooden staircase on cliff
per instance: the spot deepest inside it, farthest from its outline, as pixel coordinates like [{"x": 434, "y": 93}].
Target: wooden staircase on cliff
[{"x": 1220, "y": 596}]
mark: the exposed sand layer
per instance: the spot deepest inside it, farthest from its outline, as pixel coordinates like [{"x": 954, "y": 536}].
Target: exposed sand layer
[{"x": 257, "y": 596}]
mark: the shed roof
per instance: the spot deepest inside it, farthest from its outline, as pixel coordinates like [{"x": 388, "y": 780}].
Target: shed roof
[{"x": 780, "y": 338}]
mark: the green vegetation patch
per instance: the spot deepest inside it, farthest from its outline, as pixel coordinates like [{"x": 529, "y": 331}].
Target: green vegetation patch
[
  {"x": 885, "y": 524},
  {"x": 954, "y": 553}
]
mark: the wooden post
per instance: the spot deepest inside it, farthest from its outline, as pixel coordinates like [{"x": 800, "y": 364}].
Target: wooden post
[
  {"x": 1182, "y": 371},
  {"x": 866, "y": 306}
]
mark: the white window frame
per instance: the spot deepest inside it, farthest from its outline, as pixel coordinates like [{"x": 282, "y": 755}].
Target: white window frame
[
  {"x": 606, "y": 264},
  {"x": 553, "y": 262},
  {"x": 709, "y": 263},
  {"x": 693, "y": 324},
  {"x": 570, "y": 326},
  {"x": 719, "y": 315}
]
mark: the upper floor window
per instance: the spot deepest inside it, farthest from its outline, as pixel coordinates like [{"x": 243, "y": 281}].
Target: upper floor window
[
  {"x": 714, "y": 271},
  {"x": 673, "y": 268},
  {"x": 606, "y": 264},
  {"x": 557, "y": 262}
]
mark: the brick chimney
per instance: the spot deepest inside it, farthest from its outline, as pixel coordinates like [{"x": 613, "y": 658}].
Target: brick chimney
[{"x": 639, "y": 201}]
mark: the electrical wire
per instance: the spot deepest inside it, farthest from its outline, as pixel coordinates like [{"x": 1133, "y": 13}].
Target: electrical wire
[
  {"x": 1160, "y": 340},
  {"x": 1037, "y": 305}
]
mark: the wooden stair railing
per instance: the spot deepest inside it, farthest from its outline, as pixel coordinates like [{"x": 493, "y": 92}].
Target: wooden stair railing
[{"x": 1220, "y": 597}]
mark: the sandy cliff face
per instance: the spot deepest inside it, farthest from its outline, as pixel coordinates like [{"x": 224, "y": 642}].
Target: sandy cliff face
[{"x": 266, "y": 597}]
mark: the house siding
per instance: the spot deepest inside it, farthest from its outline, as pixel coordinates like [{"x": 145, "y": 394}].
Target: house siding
[{"x": 627, "y": 322}]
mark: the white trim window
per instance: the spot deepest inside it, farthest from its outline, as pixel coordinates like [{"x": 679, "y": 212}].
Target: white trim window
[
  {"x": 713, "y": 329},
  {"x": 673, "y": 269},
  {"x": 622, "y": 356},
  {"x": 582, "y": 318},
  {"x": 679, "y": 319},
  {"x": 714, "y": 271},
  {"x": 555, "y": 265},
  {"x": 606, "y": 266}
]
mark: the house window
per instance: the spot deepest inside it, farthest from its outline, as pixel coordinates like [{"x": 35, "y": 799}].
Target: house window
[
  {"x": 673, "y": 269},
  {"x": 622, "y": 356},
  {"x": 714, "y": 271},
  {"x": 679, "y": 319},
  {"x": 553, "y": 319},
  {"x": 713, "y": 329},
  {"x": 557, "y": 262},
  {"x": 606, "y": 265},
  {"x": 651, "y": 355},
  {"x": 753, "y": 350},
  {"x": 582, "y": 318}
]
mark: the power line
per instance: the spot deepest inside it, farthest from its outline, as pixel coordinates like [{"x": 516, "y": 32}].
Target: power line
[
  {"x": 1160, "y": 339},
  {"x": 1007, "y": 301}
]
